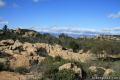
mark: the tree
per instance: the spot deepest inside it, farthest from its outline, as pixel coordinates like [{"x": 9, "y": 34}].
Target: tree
[
  {"x": 73, "y": 45},
  {"x": 5, "y": 28},
  {"x": 62, "y": 35}
]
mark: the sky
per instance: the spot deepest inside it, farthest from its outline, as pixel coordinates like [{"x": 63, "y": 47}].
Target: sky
[{"x": 69, "y": 16}]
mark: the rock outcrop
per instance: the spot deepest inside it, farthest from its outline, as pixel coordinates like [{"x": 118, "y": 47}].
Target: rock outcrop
[
  {"x": 17, "y": 44},
  {"x": 6, "y": 42},
  {"x": 100, "y": 70},
  {"x": 73, "y": 67},
  {"x": 52, "y": 50},
  {"x": 19, "y": 61},
  {"x": 4, "y": 75},
  {"x": 108, "y": 72}
]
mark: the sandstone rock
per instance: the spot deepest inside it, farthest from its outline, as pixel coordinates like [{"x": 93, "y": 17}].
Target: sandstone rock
[
  {"x": 70, "y": 50},
  {"x": 72, "y": 66},
  {"x": 16, "y": 51},
  {"x": 6, "y": 42},
  {"x": 25, "y": 53},
  {"x": 97, "y": 71},
  {"x": 2, "y": 48},
  {"x": 30, "y": 48},
  {"x": 56, "y": 50},
  {"x": 10, "y": 52},
  {"x": 81, "y": 51},
  {"x": 93, "y": 69},
  {"x": 36, "y": 59},
  {"x": 43, "y": 45},
  {"x": 19, "y": 61},
  {"x": 27, "y": 45},
  {"x": 17, "y": 44},
  {"x": 4, "y": 75},
  {"x": 108, "y": 72},
  {"x": 30, "y": 33},
  {"x": 18, "y": 30}
]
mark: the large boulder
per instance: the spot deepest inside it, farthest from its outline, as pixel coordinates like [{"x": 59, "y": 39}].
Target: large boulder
[
  {"x": 29, "y": 48},
  {"x": 2, "y": 48},
  {"x": 73, "y": 67},
  {"x": 97, "y": 71},
  {"x": 19, "y": 61},
  {"x": 6, "y": 42},
  {"x": 30, "y": 34},
  {"x": 93, "y": 69},
  {"x": 18, "y": 30},
  {"x": 56, "y": 50},
  {"x": 4, "y": 75},
  {"x": 9, "y": 52},
  {"x": 100, "y": 71},
  {"x": 17, "y": 44},
  {"x": 108, "y": 72}
]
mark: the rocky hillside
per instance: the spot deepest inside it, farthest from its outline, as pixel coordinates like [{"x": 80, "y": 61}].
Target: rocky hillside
[{"x": 29, "y": 55}]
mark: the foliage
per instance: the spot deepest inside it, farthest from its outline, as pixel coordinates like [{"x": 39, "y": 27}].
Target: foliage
[
  {"x": 5, "y": 29},
  {"x": 65, "y": 75},
  {"x": 73, "y": 45},
  {"x": 2, "y": 66},
  {"x": 115, "y": 74},
  {"x": 42, "y": 52},
  {"x": 21, "y": 70},
  {"x": 50, "y": 69}
]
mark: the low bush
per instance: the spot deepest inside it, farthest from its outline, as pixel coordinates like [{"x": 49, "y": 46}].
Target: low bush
[
  {"x": 65, "y": 75},
  {"x": 115, "y": 74},
  {"x": 42, "y": 52},
  {"x": 2, "y": 66},
  {"x": 50, "y": 67},
  {"x": 22, "y": 70}
]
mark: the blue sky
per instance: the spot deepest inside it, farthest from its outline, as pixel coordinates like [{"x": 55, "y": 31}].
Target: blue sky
[{"x": 62, "y": 15}]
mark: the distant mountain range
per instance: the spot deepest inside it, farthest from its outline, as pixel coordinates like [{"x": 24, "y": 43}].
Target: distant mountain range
[{"x": 85, "y": 34}]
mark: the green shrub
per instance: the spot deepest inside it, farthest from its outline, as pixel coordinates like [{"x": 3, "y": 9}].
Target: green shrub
[
  {"x": 21, "y": 70},
  {"x": 58, "y": 58},
  {"x": 109, "y": 47},
  {"x": 65, "y": 75},
  {"x": 115, "y": 74},
  {"x": 73, "y": 45},
  {"x": 42, "y": 52},
  {"x": 50, "y": 70},
  {"x": 2, "y": 66},
  {"x": 100, "y": 72}
]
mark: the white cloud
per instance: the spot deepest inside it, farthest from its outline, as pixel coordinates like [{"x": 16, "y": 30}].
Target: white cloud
[
  {"x": 115, "y": 29},
  {"x": 70, "y": 30},
  {"x": 114, "y": 15},
  {"x": 2, "y": 3},
  {"x": 3, "y": 21}
]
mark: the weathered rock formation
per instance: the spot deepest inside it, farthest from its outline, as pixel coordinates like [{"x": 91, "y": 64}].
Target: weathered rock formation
[
  {"x": 73, "y": 67},
  {"x": 51, "y": 50},
  {"x": 105, "y": 72},
  {"x": 11, "y": 76}
]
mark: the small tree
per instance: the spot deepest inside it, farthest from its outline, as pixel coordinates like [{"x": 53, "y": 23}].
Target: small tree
[
  {"x": 5, "y": 28},
  {"x": 73, "y": 45},
  {"x": 62, "y": 35}
]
